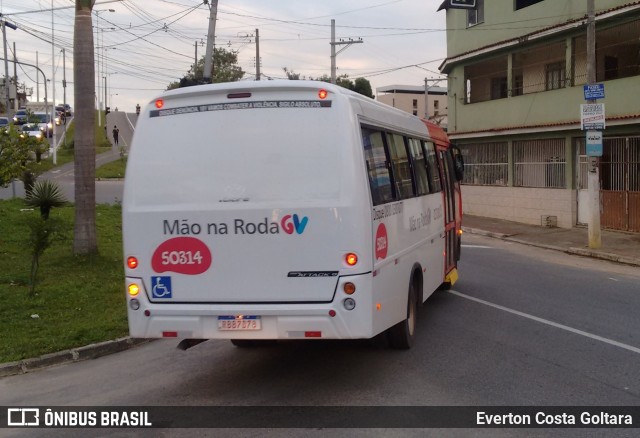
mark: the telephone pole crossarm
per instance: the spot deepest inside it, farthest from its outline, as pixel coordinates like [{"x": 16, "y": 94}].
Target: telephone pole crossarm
[{"x": 335, "y": 43}]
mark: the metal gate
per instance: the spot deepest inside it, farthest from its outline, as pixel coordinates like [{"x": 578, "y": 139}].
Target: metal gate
[{"x": 619, "y": 183}]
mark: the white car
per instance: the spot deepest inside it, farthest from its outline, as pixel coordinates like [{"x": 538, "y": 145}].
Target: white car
[
  {"x": 44, "y": 121},
  {"x": 32, "y": 130}
]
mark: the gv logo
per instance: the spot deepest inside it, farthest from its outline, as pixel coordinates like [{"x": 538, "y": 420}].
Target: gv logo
[{"x": 294, "y": 223}]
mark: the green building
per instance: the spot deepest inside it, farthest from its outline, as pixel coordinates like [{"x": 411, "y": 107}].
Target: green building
[{"x": 516, "y": 74}]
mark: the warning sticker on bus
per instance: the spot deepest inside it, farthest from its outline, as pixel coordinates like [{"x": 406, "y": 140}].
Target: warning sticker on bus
[{"x": 262, "y": 104}]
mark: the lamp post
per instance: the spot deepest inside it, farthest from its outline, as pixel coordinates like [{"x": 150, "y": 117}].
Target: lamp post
[
  {"x": 6, "y": 66},
  {"x": 98, "y": 94}
]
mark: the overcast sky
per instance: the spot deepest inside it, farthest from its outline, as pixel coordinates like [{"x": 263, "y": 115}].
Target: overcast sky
[{"x": 150, "y": 43}]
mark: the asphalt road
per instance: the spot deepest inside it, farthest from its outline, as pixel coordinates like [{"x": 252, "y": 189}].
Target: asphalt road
[{"x": 523, "y": 326}]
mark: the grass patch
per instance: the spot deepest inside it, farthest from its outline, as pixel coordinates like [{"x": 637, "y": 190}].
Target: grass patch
[
  {"x": 79, "y": 300},
  {"x": 115, "y": 169}
]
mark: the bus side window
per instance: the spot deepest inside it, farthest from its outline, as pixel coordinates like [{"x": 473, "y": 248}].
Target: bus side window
[
  {"x": 419, "y": 167},
  {"x": 400, "y": 166},
  {"x": 377, "y": 167},
  {"x": 432, "y": 163}
]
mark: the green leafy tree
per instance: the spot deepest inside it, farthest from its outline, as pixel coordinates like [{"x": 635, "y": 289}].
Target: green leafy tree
[
  {"x": 291, "y": 75},
  {"x": 225, "y": 69},
  {"x": 14, "y": 155},
  {"x": 85, "y": 240},
  {"x": 361, "y": 85}
]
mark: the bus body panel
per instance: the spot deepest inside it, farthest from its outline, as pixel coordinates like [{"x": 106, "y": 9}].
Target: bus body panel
[{"x": 242, "y": 200}]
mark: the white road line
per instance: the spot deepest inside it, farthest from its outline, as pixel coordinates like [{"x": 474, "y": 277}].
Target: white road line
[
  {"x": 477, "y": 246},
  {"x": 551, "y": 323}
]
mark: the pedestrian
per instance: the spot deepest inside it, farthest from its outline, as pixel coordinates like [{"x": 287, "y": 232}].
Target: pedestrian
[{"x": 115, "y": 131}]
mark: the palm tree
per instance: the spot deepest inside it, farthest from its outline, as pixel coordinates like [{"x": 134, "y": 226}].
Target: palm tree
[{"x": 85, "y": 240}]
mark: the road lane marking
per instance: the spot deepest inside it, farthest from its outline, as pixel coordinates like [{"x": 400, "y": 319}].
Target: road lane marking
[
  {"x": 551, "y": 323},
  {"x": 477, "y": 246}
]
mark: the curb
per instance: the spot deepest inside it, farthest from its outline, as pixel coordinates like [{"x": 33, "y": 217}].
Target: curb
[
  {"x": 573, "y": 251},
  {"x": 92, "y": 351}
]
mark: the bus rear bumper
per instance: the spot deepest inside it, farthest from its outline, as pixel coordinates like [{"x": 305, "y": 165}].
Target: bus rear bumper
[{"x": 253, "y": 321}]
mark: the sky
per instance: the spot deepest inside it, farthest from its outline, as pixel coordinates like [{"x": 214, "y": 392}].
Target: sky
[{"x": 143, "y": 45}]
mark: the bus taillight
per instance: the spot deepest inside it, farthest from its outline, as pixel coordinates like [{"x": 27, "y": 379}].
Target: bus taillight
[
  {"x": 159, "y": 103},
  {"x": 132, "y": 262},
  {"x": 351, "y": 258},
  {"x": 349, "y": 288},
  {"x": 322, "y": 94}
]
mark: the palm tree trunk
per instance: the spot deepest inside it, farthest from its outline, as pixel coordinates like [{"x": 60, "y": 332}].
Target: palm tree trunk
[{"x": 85, "y": 240}]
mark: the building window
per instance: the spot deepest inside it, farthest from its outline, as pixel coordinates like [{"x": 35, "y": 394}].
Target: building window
[
  {"x": 498, "y": 88},
  {"x": 476, "y": 16},
  {"x": 486, "y": 164},
  {"x": 539, "y": 163},
  {"x": 518, "y": 85},
  {"x": 415, "y": 103},
  {"x": 519, "y": 4},
  {"x": 555, "y": 76}
]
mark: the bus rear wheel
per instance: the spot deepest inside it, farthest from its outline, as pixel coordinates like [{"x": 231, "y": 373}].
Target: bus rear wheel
[{"x": 402, "y": 335}]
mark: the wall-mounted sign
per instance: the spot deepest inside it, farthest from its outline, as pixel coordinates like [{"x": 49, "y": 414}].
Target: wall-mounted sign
[{"x": 462, "y": 4}]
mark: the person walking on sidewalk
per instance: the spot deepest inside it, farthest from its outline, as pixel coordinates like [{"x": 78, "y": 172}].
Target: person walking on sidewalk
[{"x": 116, "y": 131}]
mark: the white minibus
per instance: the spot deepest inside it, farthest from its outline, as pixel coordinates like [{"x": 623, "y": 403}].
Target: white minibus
[{"x": 285, "y": 210}]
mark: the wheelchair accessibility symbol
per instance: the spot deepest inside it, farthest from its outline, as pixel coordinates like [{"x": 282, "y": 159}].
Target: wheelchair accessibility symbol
[{"x": 161, "y": 287}]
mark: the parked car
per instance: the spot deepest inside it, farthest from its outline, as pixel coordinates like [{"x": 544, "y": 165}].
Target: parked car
[
  {"x": 20, "y": 117},
  {"x": 44, "y": 121}
]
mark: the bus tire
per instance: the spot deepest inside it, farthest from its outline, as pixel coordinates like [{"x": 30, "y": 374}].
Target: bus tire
[{"x": 402, "y": 335}]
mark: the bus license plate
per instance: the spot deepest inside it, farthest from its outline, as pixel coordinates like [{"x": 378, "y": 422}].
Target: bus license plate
[{"x": 239, "y": 323}]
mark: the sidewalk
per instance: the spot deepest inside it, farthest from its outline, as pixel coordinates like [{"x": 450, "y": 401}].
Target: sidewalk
[{"x": 616, "y": 246}]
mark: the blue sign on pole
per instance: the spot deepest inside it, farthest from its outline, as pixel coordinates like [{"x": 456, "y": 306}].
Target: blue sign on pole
[{"x": 595, "y": 91}]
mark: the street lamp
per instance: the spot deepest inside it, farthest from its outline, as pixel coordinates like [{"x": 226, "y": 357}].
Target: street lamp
[
  {"x": 5, "y": 23},
  {"x": 98, "y": 12}
]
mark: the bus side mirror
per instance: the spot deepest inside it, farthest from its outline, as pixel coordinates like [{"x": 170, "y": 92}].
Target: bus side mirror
[{"x": 458, "y": 163}]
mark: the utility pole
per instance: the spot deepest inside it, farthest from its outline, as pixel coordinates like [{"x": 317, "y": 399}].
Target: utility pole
[
  {"x": 208, "y": 58},
  {"x": 15, "y": 76},
  {"x": 426, "y": 99},
  {"x": 53, "y": 86},
  {"x": 335, "y": 43},
  {"x": 64, "y": 92},
  {"x": 257, "y": 55},
  {"x": 6, "y": 70},
  {"x": 37, "y": 81},
  {"x": 593, "y": 178}
]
